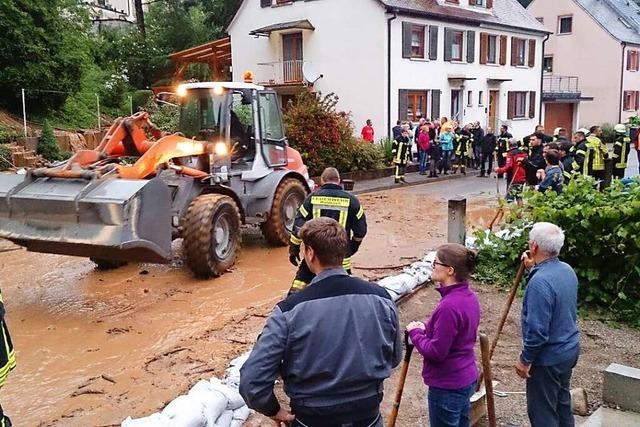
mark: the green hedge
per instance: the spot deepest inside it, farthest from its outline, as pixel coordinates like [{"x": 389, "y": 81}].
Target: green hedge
[{"x": 602, "y": 243}]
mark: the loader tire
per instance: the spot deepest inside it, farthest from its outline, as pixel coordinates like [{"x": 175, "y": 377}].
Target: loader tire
[
  {"x": 287, "y": 200},
  {"x": 211, "y": 235},
  {"x": 107, "y": 264}
]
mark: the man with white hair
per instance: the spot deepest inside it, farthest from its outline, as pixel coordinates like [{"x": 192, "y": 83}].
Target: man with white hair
[{"x": 551, "y": 341}]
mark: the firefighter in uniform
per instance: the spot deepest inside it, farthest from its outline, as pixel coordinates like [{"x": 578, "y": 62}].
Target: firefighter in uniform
[
  {"x": 580, "y": 165},
  {"x": 401, "y": 151},
  {"x": 7, "y": 358},
  {"x": 567, "y": 159},
  {"x": 330, "y": 201},
  {"x": 502, "y": 148},
  {"x": 621, "y": 149},
  {"x": 463, "y": 149},
  {"x": 597, "y": 153}
]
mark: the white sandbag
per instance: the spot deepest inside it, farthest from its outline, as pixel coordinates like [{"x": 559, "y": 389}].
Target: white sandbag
[
  {"x": 153, "y": 420},
  {"x": 225, "y": 419},
  {"x": 394, "y": 296},
  {"x": 400, "y": 284},
  {"x": 232, "y": 374},
  {"x": 429, "y": 258},
  {"x": 241, "y": 414},
  {"x": 420, "y": 270},
  {"x": 184, "y": 411},
  {"x": 233, "y": 397},
  {"x": 214, "y": 401}
]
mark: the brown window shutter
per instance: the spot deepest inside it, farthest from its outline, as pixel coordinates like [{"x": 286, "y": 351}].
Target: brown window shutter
[
  {"x": 625, "y": 103},
  {"x": 511, "y": 105},
  {"x": 489, "y": 4},
  {"x": 514, "y": 55},
  {"x": 484, "y": 47},
  {"x": 532, "y": 104},
  {"x": 503, "y": 50},
  {"x": 532, "y": 53},
  {"x": 433, "y": 42},
  {"x": 628, "y": 60},
  {"x": 403, "y": 104},
  {"x": 406, "y": 39},
  {"x": 265, "y": 3}
]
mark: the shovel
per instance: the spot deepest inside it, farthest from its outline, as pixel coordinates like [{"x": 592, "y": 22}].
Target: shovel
[{"x": 403, "y": 377}]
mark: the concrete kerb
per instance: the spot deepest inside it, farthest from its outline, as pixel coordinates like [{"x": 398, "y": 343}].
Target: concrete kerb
[
  {"x": 393, "y": 186},
  {"x": 621, "y": 387}
]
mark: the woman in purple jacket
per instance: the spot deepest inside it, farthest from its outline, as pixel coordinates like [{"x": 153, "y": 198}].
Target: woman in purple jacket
[{"x": 447, "y": 339}]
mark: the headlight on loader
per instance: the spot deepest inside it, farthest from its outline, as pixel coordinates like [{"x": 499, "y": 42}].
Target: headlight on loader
[{"x": 221, "y": 148}]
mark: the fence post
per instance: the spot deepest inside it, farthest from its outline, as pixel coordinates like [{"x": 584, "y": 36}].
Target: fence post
[
  {"x": 24, "y": 113},
  {"x": 98, "y": 104},
  {"x": 457, "y": 231}
]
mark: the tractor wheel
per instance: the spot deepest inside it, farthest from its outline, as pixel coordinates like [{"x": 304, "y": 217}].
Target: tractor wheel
[
  {"x": 287, "y": 200},
  {"x": 107, "y": 264},
  {"x": 211, "y": 235}
]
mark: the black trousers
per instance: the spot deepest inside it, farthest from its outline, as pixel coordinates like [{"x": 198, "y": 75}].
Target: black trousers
[
  {"x": 486, "y": 157},
  {"x": 618, "y": 172}
]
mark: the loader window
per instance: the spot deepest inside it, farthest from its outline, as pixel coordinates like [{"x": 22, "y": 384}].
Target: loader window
[
  {"x": 273, "y": 140},
  {"x": 200, "y": 114},
  {"x": 242, "y": 138}
]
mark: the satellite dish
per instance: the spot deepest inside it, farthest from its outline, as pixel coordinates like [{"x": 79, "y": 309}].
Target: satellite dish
[{"x": 309, "y": 73}]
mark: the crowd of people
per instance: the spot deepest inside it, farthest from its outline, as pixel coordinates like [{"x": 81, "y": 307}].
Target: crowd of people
[
  {"x": 538, "y": 160},
  {"x": 335, "y": 338}
]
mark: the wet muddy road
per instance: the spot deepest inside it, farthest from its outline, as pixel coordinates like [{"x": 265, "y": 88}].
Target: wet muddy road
[{"x": 94, "y": 347}]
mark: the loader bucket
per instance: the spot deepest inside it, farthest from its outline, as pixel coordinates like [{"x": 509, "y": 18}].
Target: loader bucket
[{"x": 108, "y": 218}]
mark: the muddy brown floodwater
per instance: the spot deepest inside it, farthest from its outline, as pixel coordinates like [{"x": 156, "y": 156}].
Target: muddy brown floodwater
[{"x": 94, "y": 347}]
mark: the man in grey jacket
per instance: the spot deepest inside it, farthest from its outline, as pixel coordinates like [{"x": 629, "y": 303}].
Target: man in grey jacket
[{"x": 333, "y": 343}]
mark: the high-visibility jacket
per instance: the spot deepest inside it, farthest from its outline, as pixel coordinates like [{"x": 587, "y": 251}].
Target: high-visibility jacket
[
  {"x": 580, "y": 163},
  {"x": 331, "y": 201},
  {"x": 7, "y": 354},
  {"x": 597, "y": 153},
  {"x": 400, "y": 150},
  {"x": 621, "y": 149},
  {"x": 502, "y": 147},
  {"x": 464, "y": 143}
]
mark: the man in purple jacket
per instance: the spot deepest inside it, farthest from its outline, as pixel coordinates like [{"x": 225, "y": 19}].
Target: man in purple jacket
[{"x": 447, "y": 340}]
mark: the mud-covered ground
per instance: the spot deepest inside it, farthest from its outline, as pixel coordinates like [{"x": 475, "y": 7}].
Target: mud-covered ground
[{"x": 94, "y": 347}]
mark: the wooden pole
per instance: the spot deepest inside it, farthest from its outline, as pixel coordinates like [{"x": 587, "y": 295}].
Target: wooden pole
[
  {"x": 507, "y": 308},
  {"x": 403, "y": 377},
  {"x": 488, "y": 379}
]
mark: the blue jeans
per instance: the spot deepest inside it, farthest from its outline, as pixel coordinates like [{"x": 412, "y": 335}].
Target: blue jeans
[
  {"x": 446, "y": 159},
  {"x": 450, "y": 408},
  {"x": 548, "y": 395},
  {"x": 422, "y": 158}
]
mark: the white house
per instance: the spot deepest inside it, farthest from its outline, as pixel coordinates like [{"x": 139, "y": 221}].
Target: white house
[
  {"x": 594, "y": 51},
  {"x": 472, "y": 60}
]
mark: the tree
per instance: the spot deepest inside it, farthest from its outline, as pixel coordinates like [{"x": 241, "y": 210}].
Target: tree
[
  {"x": 43, "y": 47},
  {"x": 140, "y": 17},
  {"x": 48, "y": 144}
]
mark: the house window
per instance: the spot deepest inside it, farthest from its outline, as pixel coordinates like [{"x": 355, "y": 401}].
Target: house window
[
  {"x": 540, "y": 20},
  {"x": 631, "y": 100},
  {"x": 481, "y": 98},
  {"x": 492, "y": 49},
  {"x": 283, "y": 1},
  {"x": 519, "y": 53},
  {"x": 469, "y": 98},
  {"x": 520, "y": 104},
  {"x": 417, "y": 41},
  {"x": 633, "y": 60},
  {"x": 476, "y": 2},
  {"x": 547, "y": 64},
  {"x": 456, "y": 45},
  {"x": 565, "y": 24},
  {"x": 416, "y": 105}
]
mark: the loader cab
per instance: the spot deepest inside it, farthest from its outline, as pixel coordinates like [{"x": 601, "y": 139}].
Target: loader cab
[{"x": 246, "y": 116}]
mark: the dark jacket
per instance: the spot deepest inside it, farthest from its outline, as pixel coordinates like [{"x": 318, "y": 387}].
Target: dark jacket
[
  {"x": 435, "y": 150},
  {"x": 401, "y": 149},
  {"x": 488, "y": 144},
  {"x": 553, "y": 179},
  {"x": 332, "y": 201},
  {"x": 333, "y": 344},
  {"x": 567, "y": 167},
  {"x": 580, "y": 158},
  {"x": 535, "y": 162}
]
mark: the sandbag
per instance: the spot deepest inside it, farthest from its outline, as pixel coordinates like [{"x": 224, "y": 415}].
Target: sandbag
[
  {"x": 214, "y": 401},
  {"x": 225, "y": 419},
  {"x": 153, "y": 420},
  {"x": 232, "y": 374},
  {"x": 234, "y": 399},
  {"x": 184, "y": 411},
  {"x": 241, "y": 414},
  {"x": 400, "y": 284}
]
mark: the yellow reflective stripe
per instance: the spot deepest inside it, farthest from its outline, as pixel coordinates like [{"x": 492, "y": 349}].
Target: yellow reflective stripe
[
  {"x": 360, "y": 213},
  {"x": 346, "y": 263},
  {"x": 330, "y": 201},
  {"x": 581, "y": 152},
  {"x": 295, "y": 240},
  {"x": 1, "y": 299},
  {"x": 298, "y": 284},
  {"x": 316, "y": 213},
  {"x": 303, "y": 211},
  {"x": 342, "y": 219},
  {"x": 357, "y": 239}
]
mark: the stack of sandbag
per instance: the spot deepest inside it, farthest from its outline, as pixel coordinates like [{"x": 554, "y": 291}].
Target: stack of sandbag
[
  {"x": 413, "y": 275},
  {"x": 473, "y": 242},
  {"x": 209, "y": 403}
]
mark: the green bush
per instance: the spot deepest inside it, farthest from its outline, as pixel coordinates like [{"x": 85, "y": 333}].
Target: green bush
[
  {"x": 165, "y": 116},
  {"x": 350, "y": 155},
  {"x": 48, "y": 145},
  {"x": 608, "y": 134},
  {"x": 602, "y": 243},
  {"x": 8, "y": 136},
  {"x": 385, "y": 147},
  {"x": 5, "y": 157},
  {"x": 141, "y": 99}
]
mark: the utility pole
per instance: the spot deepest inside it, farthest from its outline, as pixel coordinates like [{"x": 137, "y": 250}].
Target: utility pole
[{"x": 140, "y": 17}]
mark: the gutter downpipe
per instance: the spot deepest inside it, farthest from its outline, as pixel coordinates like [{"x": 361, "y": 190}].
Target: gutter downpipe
[
  {"x": 622, "y": 65},
  {"x": 544, "y": 42},
  {"x": 395, "y": 15}
]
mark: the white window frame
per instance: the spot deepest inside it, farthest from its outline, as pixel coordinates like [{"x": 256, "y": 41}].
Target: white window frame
[
  {"x": 560, "y": 18},
  {"x": 480, "y": 98},
  {"x": 496, "y": 48},
  {"x": 516, "y": 113}
]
